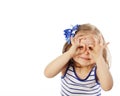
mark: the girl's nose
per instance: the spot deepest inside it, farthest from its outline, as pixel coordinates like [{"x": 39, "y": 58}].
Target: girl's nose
[{"x": 86, "y": 50}]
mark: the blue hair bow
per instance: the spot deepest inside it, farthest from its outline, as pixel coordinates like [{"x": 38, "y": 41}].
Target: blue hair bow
[{"x": 70, "y": 33}]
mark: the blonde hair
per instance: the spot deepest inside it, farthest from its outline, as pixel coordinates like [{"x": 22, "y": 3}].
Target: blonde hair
[{"x": 89, "y": 29}]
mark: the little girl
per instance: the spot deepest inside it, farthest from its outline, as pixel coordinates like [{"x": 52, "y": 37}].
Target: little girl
[{"x": 84, "y": 63}]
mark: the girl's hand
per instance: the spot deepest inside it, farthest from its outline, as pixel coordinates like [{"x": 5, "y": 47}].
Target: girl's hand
[
  {"x": 97, "y": 51},
  {"x": 76, "y": 48}
]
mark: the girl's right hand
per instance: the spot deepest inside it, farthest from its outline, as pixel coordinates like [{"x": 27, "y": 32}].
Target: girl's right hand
[{"x": 76, "y": 47}]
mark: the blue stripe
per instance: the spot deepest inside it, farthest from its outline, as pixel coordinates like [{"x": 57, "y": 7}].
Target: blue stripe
[
  {"x": 64, "y": 93},
  {"x": 88, "y": 83},
  {"x": 81, "y": 89},
  {"x": 79, "y": 79},
  {"x": 82, "y": 85},
  {"x": 70, "y": 70},
  {"x": 81, "y": 93},
  {"x": 71, "y": 75}
]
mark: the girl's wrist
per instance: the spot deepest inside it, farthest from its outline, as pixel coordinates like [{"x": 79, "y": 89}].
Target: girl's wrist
[
  {"x": 70, "y": 54},
  {"x": 100, "y": 61}
]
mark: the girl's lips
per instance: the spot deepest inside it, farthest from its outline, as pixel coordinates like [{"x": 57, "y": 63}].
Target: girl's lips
[{"x": 85, "y": 58}]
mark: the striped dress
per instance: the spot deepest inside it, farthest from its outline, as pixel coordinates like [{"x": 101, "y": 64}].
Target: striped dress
[{"x": 72, "y": 85}]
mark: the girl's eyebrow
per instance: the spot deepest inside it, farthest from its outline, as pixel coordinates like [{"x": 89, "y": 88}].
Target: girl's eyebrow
[{"x": 79, "y": 35}]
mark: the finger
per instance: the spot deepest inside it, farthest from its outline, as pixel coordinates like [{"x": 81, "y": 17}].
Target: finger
[
  {"x": 106, "y": 44},
  {"x": 94, "y": 38},
  {"x": 79, "y": 37},
  {"x": 72, "y": 40},
  {"x": 101, "y": 40},
  {"x": 77, "y": 40}
]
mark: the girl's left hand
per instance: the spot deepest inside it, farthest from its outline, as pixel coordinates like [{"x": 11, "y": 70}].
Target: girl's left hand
[{"x": 97, "y": 51}]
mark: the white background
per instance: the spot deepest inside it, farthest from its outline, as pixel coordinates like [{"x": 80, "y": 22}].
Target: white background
[{"x": 31, "y": 35}]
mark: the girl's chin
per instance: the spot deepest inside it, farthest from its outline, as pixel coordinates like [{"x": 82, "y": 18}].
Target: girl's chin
[{"x": 83, "y": 63}]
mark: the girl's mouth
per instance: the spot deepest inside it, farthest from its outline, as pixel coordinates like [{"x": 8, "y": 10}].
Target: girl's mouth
[{"x": 85, "y": 58}]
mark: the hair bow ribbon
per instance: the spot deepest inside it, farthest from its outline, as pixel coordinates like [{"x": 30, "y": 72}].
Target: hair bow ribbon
[{"x": 70, "y": 33}]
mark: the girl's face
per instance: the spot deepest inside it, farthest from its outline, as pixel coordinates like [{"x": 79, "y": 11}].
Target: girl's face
[{"x": 87, "y": 43}]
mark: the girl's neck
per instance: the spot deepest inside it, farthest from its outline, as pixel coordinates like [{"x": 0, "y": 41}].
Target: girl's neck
[{"x": 84, "y": 71}]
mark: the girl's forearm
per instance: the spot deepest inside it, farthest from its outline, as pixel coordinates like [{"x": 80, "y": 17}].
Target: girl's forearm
[
  {"x": 104, "y": 75},
  {"x": 57, "y": 65}
]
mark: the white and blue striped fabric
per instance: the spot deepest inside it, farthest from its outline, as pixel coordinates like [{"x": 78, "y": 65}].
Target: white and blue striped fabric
[{"x": 72, "y": 85}]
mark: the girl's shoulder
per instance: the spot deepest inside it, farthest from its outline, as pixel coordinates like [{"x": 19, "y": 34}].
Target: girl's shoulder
[{"x": 65, "y": 68}]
